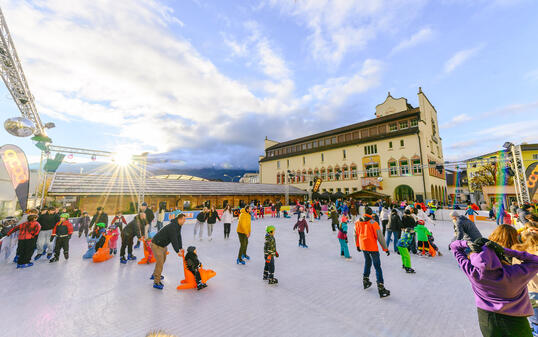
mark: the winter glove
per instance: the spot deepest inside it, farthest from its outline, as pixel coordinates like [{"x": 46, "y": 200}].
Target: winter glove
[
  {"x": 276, "y": 254},
  {"x": 388, "y": 252},
  {"x": 359, "y": 249},
  {"x": 476, "y": 245}
]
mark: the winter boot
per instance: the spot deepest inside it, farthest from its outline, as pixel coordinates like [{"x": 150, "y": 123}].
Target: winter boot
[
  {"x": 239, "y": 261},
  {"x": 246, "y": 257},
  {"x": 110, "y": 251},
  {"x": 123, "y": 260},
  {"x": 273, "y": 281},
  {"x": 137, "y": 245},
  {"x": 265, "y": 275},
  {"x": 49, "y": 256},
  {"x": 38, "y": 256},
  {"x": 409, "y": 270},
  {"x": 366, "y": 282},
  {"x": 382, "y": 291},
  {"x": 115, "y": 251},
  {"x": 54, "y": 259},
  {"x": 131, "y": 257},
  {"x": 159, "y": 286},
  {"x": 153, "y": 277}
]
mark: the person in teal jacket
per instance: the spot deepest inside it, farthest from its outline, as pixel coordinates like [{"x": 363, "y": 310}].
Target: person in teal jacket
[
  {"x": 403, "y": 247},
  {"x": 422, "y": 237}
]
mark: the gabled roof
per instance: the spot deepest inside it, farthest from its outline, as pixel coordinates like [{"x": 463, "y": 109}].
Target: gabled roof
[{"x": 75, "y": 184}]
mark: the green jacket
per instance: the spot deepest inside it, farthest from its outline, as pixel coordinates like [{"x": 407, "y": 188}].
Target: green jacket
[
  {"x": 422, "y": 232},
  {"x": 269, "y": 248}
]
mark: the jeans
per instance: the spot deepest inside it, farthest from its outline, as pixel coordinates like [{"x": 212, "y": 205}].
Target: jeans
[
  {"x": 210, "y": 229},
  {"x": 199, "y": 228},
  {"x": 498, "y": 325},
  {"x": 343, "y": 248},
  {"x": 302, "y": 239},
  {"x": 43, "y": 240},
  {"x": 269, "y": 266},
  {"x": 534, "y": 319},
  {"x": 243, "y": 241},
  {"x": 413, "y": 247},
  {"x": 370, "y": 257},
  {"x": 396, "y": 236}
]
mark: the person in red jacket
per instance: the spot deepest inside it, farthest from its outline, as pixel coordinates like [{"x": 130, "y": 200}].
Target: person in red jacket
[
  {"x": 367, "y": 235},
  {"x": 28, "y": 232},
  {"x": 62, "y": 232},
  {"x": 301, "y": 226}
]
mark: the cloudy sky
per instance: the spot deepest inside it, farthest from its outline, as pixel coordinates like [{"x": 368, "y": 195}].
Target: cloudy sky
[{"x": 203, "y": 82}]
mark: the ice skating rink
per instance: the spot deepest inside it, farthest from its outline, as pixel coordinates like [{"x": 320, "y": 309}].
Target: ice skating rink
[{"x": 319, "y": 293}]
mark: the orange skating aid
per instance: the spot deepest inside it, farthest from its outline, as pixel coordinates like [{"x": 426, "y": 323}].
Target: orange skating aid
[
  {"x": 103, "y": 253},
  {"x": 190, "y": 282},
  {"x": 148, "y": 253}
]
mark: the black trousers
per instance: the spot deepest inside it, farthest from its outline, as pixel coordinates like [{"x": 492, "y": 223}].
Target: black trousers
[
  {"x": 25, "y": 250},
  {"x": 334, "y": 225},
  {"x": 61, "y": 243},
  {"x": 243, "y": 241},
  {"x": 126, "y": 242},
  {"x": 302, "y": 238},
  {"x": 498, "y": 325},
  {"x": 100, "y": 243},
  {"x": 227, "y": 230},
  {"x": 196, "y": 274},
  {"x": 269, "y": 266},
  {"x": 384, "y": 224}
]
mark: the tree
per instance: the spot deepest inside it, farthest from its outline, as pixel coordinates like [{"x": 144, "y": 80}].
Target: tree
[{"x": 489, "y": 175}]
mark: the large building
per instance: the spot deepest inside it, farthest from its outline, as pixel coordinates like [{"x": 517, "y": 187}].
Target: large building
[{"x": 399, "y": 153}]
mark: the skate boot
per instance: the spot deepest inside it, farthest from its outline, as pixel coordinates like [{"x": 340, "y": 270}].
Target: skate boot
[
  {"x": 131, "y": 257},
  {"x": 246, "y": 257},
  {"x": 49, "y": 256},
  {"x": 115, "y": 251},
  {"x": 305, "y": 246},
  {"x": 137, "y": 245},
  {"x": 382, "y": 291},
  {"x": 123, "y": 260},
  {"x": 38, "y": 256},
  {"x": 16, "y": 259},
  {"x": 409, "y": 270},
  {"x": 110, "y": 251},
  {"x": 239, "y": 261},
  {"x": 201, "y": 286},
  {"x": 54, "y": 259},
  {"x": 153, "y": 277},
  {"x": 273, "y": 281},
  {"x": 19, "y": 266},
  {"x": 66, "y": 255},
  {"x": 366, "y": 282},
  {"x": 159, "y": 286},
  {"x": 265, "y": 275},
  {"x": 439, "y": 253},
  {"x": 26, "y": 265}
]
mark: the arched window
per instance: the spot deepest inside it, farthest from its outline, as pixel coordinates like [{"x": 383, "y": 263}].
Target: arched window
[
  {"x": 330, "y": 175},
  {"x": 404, "y": 167},
  {"x": 353, "y": 171},
  {"x": 303, "y": 176},
  {"x": 337, "y": 173},
  {"x": 298, "y": 177},
  {"x": 316, "y": 173},
  {"x": 345, "y": 172},
  {"x": 278, "y": 178},
  {"x": 393, "y": 167},
  {"x": 323, "y": 174}
]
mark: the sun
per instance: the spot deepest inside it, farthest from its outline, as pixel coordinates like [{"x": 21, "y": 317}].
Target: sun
[{"x": 122, "y": 159}]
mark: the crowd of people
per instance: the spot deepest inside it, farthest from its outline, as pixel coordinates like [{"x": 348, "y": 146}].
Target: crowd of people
[{"x": 502, "y": 268}]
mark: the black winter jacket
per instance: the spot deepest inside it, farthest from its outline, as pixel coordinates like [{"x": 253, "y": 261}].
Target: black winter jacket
[
  {"x": 99, "y": 218},
  {"x": 212, "y": 217},
  {"x": 170, "y": 233},
  {"x": 149, "y": 215},
  {"x": 192, "y": 261},
  {"x": 408, "y": 221},
  {"x": 48, "y": 221},
  {"x": 132, "y": 229},
  {"x": 395, "y": 223},
  {"x": 202, "y": 216}
]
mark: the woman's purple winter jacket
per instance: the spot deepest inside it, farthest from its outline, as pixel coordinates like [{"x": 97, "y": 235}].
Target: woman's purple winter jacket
[{"x": 497, "y": 287}]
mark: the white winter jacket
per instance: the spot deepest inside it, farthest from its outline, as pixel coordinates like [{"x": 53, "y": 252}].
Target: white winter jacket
[{"x": 227, "y": 217}]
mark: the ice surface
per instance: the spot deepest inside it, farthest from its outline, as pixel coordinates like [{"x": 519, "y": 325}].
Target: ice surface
[{"x": 319, "y": 293}]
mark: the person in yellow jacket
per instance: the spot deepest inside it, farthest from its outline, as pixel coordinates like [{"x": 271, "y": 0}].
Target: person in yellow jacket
[{"x": 243, "y": 231}]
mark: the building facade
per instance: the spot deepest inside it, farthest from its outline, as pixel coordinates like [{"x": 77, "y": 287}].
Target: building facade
[
  {"x": 398, "y": 153},
  {"x": 250, "y": 178}
]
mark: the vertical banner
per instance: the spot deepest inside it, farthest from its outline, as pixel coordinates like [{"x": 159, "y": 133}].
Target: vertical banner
[
  {"x": 317, "y": 184},
  {"x": 17, "y": 167},
  {"x": 532, "y": 179}
]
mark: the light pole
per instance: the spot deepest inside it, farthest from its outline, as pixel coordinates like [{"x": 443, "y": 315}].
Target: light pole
[{"x": 231, "y": 178}]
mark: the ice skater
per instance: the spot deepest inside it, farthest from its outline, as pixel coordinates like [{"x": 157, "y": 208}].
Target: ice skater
[
  {"x": 193, "y": 264},
  {"x": 169, "y": 234},
  {"x": 62, "y": 232},
  {"x": 422, "y": 237},
  {"x": 301, "y": 226},
  {"x": 270, "y": 252},
  {"x": 127, "y": 235},
  {"x": 48, "y": 219},
  {"x": 243, "y": 232},
  {"x": 212, "y": 218},
  {"x": 368, "y": 234},
  {"x": 404, "y": 243},
  {"x": 334, "y": 219},
  {"x": 114, "y": 233},
  {"x": 84, "y": 224},
  {"x": 227, "y": 218},
  {"x": 28, "y": 234},
  {"x": 201, "y": 219},
  {"x": 342, "y": 238}
]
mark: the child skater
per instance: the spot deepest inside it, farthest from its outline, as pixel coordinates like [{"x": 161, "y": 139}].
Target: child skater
[
  {"x": 28, "y": 232},
  {"x": 342, "y": 238},
  {"x": 301, "y": 225},
  {"x": 193, "y": 264},
  {"x": 269, "y": 252},
  {"x": 422, "y": 237},
  {"x": 62, "y": 231},
  {"x": 113, "y": 242},
  {"x": 403, "y": 247}
]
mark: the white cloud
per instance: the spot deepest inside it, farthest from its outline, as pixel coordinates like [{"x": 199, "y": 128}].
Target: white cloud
[
  {"x": 460, "y": 57},
  {"x": 457, "y": 120},
  {"x": 419, "y": 37},
  {"x": 117, "y": 64},
  {"x": 338, "y": 26}
]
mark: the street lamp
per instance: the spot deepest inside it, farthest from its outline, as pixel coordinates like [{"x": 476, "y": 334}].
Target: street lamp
[{"x": 232, "y": 178}]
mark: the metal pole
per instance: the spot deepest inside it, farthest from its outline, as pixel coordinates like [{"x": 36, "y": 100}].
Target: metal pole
[
  {"x": 517, "y": 185},
  {"x": 287, "y": 189}
]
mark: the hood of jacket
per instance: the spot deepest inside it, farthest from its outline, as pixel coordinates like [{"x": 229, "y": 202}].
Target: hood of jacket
[{"x": 486, "y": 263}]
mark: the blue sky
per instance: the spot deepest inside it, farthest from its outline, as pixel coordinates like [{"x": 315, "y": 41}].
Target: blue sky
[{"x": 203, "y": 82}]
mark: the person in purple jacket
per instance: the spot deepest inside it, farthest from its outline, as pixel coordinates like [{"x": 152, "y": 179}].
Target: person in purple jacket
[{"x": 500, "y": 288}]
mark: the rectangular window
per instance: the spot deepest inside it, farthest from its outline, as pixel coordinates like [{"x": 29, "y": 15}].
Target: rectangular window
[
  {"x": 393, "y": 168},
  {"x": 278, "y": 164},
  {"x": 370, "y": 149},
  {"x": 372, "y": 170},
  {"x": 404, "y": 125},
  {"x": 315, "y": 144},
  {"x": 354, "y": 172},
  {"x": 417, "y": 167},
  {"x": 321, "y": 143},
  {"x": 323, "y": 175},
  {"x": 331, "y": 189},
  {"x": 322, "y": 157},
  {"x": 341, "y": 139},
  {"x": 390, "y": 145},
  {"x": 535, "y": 156},
  {"x": 288, "y": 163},
  {"x": 346, "y": 190},
  {"x": 304, "y": 160},
  {"x": 401, "y": 143},
  {"x": 372, "y": 131},
  {"x": 404, "y": 167},
  {"x": 356, "y": 135},
  {"x": 309, "y": 146},
  {"x": 348, "y": 137},
  {"x": 344, "y": 154},
  {"x": 364, "y": 133},
  {"x": 354, "y": 189},
  {"x": 339, "y": 189},
  {"x": 333, "y": 140},
  {"x": 381, "y": 129},
  {"x": 414, "y": 122},
  {"x": 304, "y": 146},
  {"x": 393, "y": 127}
]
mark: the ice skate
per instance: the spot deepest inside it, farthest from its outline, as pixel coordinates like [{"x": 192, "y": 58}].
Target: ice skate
[
  {"x": 66, "y": 255},
  {"x": 159, "y": 286},
  {"x": 131, "y": 257},
  {"x": 115, "y": 251},
  {"x": 305, "y": 246},
  {"x": 239, "y": 261},
  {"x": 382, "y": 291},
  {"x": 409, "y": 270},
  {"x": 201, "y": 286},
  {"x": 137, "y": 245},
  {"x": 265, "y": 276},
  {"x": 273, "y": 281},
  {"x": 153, "y": 277},
  {"x": 25, "y": 265},
  {"x": 54, "y": 259},
  {"x": 49, "y": 256},
  {"x": 366, "y": 282},
  {"x": 123, "y": 260},
  {"x": 37, "y": 257},
  {"x": 16, "y": 259},
  {"x": 246, "y": 257}
]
